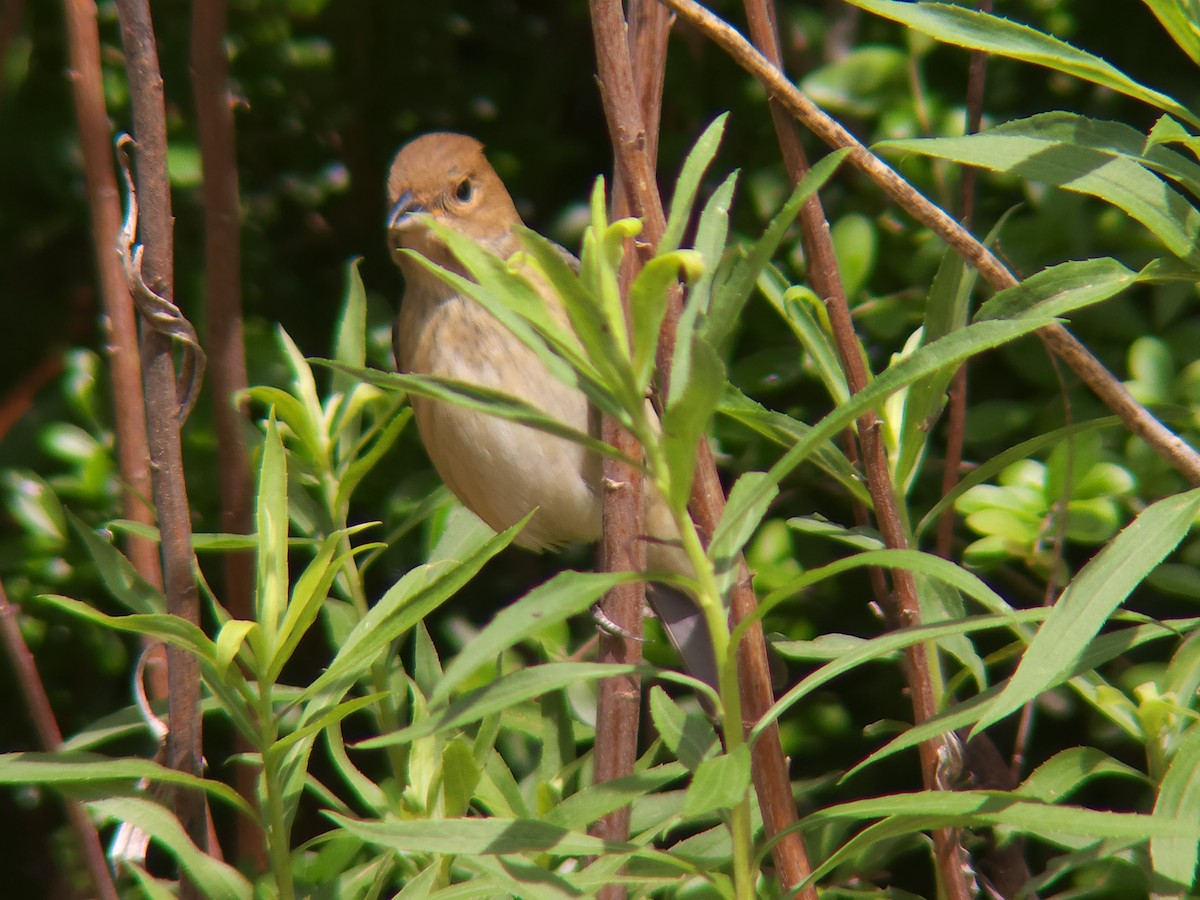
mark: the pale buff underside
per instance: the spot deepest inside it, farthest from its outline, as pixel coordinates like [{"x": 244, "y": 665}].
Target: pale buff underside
[
  {"x": 500, "y": 469},
  {"x": 497, "y": 468}
]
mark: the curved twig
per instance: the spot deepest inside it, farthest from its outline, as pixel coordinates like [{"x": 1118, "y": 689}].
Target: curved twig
[{"x": 159, "y": 313}]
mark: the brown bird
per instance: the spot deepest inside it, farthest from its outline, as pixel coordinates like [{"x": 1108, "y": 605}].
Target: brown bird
[{"x": 499, "y": 469}]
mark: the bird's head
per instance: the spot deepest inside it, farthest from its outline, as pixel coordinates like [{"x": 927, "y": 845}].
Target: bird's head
[{"x": 445, "y": 177}]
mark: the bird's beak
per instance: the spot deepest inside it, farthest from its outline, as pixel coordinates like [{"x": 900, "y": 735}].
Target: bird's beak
[{"x": 403, "y": 212}]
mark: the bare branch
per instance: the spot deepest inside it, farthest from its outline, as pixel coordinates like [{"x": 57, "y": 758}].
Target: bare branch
[
  {"x": 903, "y": 609},
  {"x": 37, "y": 702},
  {"x": 162, "y": 409},
  {"x": 223, "y": 300}
]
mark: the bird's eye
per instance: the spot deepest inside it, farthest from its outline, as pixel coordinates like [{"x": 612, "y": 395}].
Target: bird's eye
[{"x": 464, "y": 191}]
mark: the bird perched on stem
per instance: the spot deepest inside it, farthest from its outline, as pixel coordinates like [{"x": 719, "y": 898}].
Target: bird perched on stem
[{"x": 501, "y": 469}]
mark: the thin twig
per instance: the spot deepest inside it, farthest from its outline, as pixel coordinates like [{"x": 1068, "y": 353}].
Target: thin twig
[
  {"x": 162, "y": 411},
  {"x": 904, "y": 609},
  {"x": 37, "y": 702},
  {"x": 1174, "y": 451},
  {"x": 956, "y": 405}
]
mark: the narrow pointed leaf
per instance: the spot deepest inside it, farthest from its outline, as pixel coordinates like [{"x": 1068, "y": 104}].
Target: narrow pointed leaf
[
  {"x": 1092, "y": 597},
  {"x": 698, "y": 160},
  {"x": 999, "y": 36}
]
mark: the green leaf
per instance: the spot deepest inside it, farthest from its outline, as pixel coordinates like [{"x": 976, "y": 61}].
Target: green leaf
[
  {"x": 1022, "y": 149},
  {"x": 998, "y": 36},
  {"x": 698, "y": 160},
  {"x": 689, "y": 736},
  {"x": 1179, "y": 18},
  {"x": 648, "y": 304},
  {"x": 171, "y": 629},
  {"x": 730, "y": 298},
  {"x": 1091, "y": 597},
  {"x": 475, "y": 836},
  {"x": 71, "y": 771},
  {"x": 350, "y": 334},
  {"x": 954, "y": 347},
  {"x": 712, "y": 236},
  {"x": 1103, "y": 649},
  {"x": 460, "y": 777},
  {"x": 586, "y": 806},
  {"x": 33, "y": 503},
  {"x": 324, "y": 718},
  {"x": 697, "y": 382},
  {"x": 120, "y": 577},
  {"x": 271, "y": 521},
  {"x": 990, "y": 469},
  {"x": 1059, "y": 289},
  {"x": 499, "y": 695},
  {"x": 945, "y": 311},
  {"x": 738, "y": 524},
  {"x": 902, "y": 814},
  {"x": 860, "y": 82},
  {"x": 304, "y": 388},
  {"x": 939, "y": 602},
  {"x": 413, "y": 597},
  {"x": 310, "y": 592},
  {"x": 854, "y": 244},
  {"x": 720, "y": 782},
  {"x": 229, "y": 642},
  {"x": 565, "y": 595},
  {"x": 152, "y": 888},
  {"x": 1174, "y": 858},
  {"x": 363, "y": 462},
  {"x": 1065, "y": 772},
  {"x": 293, "y": 415},
  {"x": 973, "y": 809},
  {"x": 1118, "y": 139},
  {"x": 214, "y": 879},
  {"x": 784, "y": 430},
  {"x": 805, "y": 314}
]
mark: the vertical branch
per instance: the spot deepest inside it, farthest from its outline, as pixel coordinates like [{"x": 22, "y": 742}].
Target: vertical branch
[
  {"x": 95, "y": 139},
  {"x": 162, "y": 406},
  {"x": 50, "y": 737},
  {"x": 633, "y": 146},
  {"x": 621, "y": 548},
  {"x": 956, "y": 406},
  {"x": 223, "y": 299},
  {"x": 903, "y": 609}
]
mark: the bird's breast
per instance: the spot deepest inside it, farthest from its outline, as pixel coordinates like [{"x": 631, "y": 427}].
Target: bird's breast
[{"x": 499, "y": 469}]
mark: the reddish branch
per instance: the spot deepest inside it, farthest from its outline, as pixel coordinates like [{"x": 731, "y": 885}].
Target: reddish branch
[
  {"x": 50, "y": 737},
  {"x": 226, "y": 350},
  {"x": 635, "y": 167},
  {"x": 622, "y": 549},
  {"x": 903, "y": 608},
  {"x": 162, "y": 408},
  {"x": 1174, "y": 451},
  {"x": 95, "y": 139}
]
